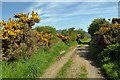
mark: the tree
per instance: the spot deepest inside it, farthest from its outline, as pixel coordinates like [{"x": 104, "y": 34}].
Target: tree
[
  {"x": 70, "y": 30},
  {"x": 65, "y": 32},
  {"x": 83, "y": 33},
  {"x": 46, "y": 29}
]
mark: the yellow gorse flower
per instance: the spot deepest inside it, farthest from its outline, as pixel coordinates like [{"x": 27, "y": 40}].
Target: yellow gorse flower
[
  {"x": 13, "y": 28},
  {"x": 3, "y": 48}
]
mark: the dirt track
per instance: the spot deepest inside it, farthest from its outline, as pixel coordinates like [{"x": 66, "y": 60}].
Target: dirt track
[
  {"x": 54, "y": 69},
  {"x": 81, "y": 57}
]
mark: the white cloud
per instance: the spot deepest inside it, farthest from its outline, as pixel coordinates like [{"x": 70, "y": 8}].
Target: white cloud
[
  {"x": 53, "y": 13},
  {"x": 107, "y": 10}
]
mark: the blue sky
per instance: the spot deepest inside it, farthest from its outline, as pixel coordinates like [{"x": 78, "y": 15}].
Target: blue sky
[{"x": 63, "y": 15}]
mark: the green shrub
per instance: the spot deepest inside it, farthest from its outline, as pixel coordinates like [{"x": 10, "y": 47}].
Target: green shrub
[
  {"x": 111, "y": 69},
  {"x": 46, "y": 29},
  {"x": 110, "y": 60},
  {"x": 94, "y": 49},
  {"x": 111, "y": 53}
]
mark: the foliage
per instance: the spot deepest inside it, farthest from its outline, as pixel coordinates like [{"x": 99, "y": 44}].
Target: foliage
[
  {"x": 66, "y": 39},
  {"x": 105, "y": 45},
  {"x": 95, "y": 25},
  {"x": 110, "y": 61},
  {"x": 33, "y": 67},
  {"x": 47, "y": 39},
  {"x": 75, "y": 34},
  {"x": 111, "y": 70},
  {"x": 78, "y": 38},
  {"x": 70, "y": 32},
  {"x": 116, "y": 20},
  {"x": 64, "y": 32},
  {"x": 20, "y": 40},
  {"x": 31, "y": 50},
  {"x": 108, "y": 34},
  {"x": 94, "y": 49},
  {"x": 73, "y": 43},
  {"x": 18, "y": 35},
  {"x": 46, "y": 29},
  {"x": 36, "y": 65},
  {"x": 79, "y": 41},
  {"x": 110, "y": 54},
  {"x": 86, "y": 37},
  {"x": 83, "y": 33}
]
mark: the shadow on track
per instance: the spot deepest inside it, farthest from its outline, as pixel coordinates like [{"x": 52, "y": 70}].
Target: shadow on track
[{"x": 85, "y": 53}]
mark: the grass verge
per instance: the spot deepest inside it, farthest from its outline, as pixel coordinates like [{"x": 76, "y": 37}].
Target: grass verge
[{"x": 36, "y": 65}]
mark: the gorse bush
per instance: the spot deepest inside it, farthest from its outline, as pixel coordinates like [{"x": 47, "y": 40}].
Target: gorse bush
[
  {"x": 66, "y": 39},
  {"x": 105, "y": 45},
  {"x": 20, "y": 40},
  {"x": 110, "y": 34},
  {"x": 71, "y": 32},
  {"x": 82, "y": 32},
  {"x": 78, "y": 37},
  {"x": 107, "y": 34},
  {"x": 95, "y": 25},
  {"x": 47, "y": 39},
  {"x": 35, "y": 66},
  {"x": 18, "y": 36},
  {"x": 27, "y": 52}
]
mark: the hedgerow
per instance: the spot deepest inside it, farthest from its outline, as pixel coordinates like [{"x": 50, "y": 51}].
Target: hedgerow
[{"x": 105, "y": 45}]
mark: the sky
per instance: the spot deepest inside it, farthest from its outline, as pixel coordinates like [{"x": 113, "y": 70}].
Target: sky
[{"x": 63, "y": 15}]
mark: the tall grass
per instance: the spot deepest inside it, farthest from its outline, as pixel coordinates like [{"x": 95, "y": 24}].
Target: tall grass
[{"x": 36, "y": 65}]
